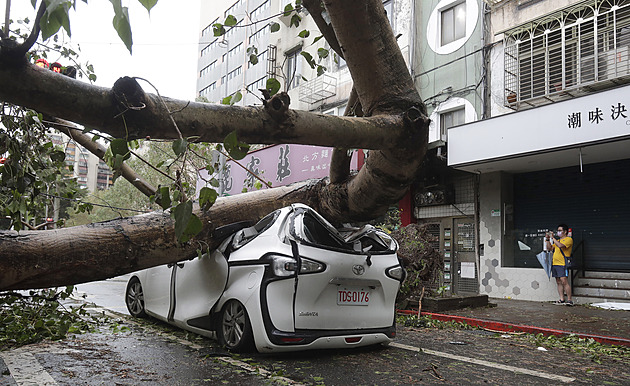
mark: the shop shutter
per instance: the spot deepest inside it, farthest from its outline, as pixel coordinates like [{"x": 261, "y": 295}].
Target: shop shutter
[{"x": 595, "y": 203}]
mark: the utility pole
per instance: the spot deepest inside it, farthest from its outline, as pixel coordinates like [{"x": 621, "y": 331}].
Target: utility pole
[{"x": 6, "y": 18}]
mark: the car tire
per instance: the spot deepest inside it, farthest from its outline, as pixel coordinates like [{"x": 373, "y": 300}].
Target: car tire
[
  {"x": 134, "y": 298},
  {"x": 234, "y": 329}
]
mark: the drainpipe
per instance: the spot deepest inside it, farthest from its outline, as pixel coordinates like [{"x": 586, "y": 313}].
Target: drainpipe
[{"x": 6, "y": 18}]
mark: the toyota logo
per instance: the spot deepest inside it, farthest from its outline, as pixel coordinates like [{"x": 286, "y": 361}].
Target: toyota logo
[{"x": 358, "y": 269}]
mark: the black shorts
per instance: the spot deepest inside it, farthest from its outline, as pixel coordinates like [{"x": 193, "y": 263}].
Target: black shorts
[{"x": 559, "y": 271}]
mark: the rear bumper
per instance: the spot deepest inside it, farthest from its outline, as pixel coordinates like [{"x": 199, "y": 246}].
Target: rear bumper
[
  {"x": 306, "y": 337},
  {"x": 331, "y": 340}
]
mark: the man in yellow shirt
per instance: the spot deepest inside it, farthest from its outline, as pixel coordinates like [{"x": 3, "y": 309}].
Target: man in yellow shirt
[{"x": 561, "y": 243}]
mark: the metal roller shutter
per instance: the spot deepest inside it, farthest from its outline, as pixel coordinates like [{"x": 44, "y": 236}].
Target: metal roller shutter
[{"x": 594, "y": 203}]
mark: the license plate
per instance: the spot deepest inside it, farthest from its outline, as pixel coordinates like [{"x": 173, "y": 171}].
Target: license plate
[{"x": 353, "y": 297}]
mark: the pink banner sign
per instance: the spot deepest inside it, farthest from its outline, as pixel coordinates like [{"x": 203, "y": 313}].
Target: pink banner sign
[{"x": 278, "y": 165}]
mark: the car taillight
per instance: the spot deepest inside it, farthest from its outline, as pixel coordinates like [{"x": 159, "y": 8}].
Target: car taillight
[
  {"x": 283, "y": 266},
  {"x": 397, "y": 273}
]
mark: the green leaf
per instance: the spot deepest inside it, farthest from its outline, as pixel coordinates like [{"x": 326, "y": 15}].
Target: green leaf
[
  {"x": 119, "y": 146},
  {"x": 207, "y": 197},
  {"x": 273, "y": 27},
  {"x": 295, "y": 20},
  {"x": 55, "y": 17},
  {"x": 148, "y": 4},
  {"x": 304, "y": 34},
  {"x": 214, "y": 182},
  {"x": 253, "y": 59},
  {"x": 309, "y": 58},
  {"x": 236, "y": 149},
  {"x": 182, "y": 214},
  {"x": 230, "y": 21},
  {"x": 317, "y": 39},
  {"x": 58, "y": 156},
  {"x": 236, "y": 98},
  {"x": 192, "y": 229},
  {"x": 218, "y": 29},
  {"x": 180, "y": 146},
  {"x": 288, "y": 9},
  {"x": 321, "y": 70},
  {"x": 322, "y": 53},
  {"x": 273, "y": 85},
  {"x": 121, "y": 23},
  {"x": 226, "y": 100}
]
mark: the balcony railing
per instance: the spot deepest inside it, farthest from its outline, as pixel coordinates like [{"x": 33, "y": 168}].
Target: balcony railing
[
  {"x": 572, "y": 52},
  {"x": 318, "y": 89}
]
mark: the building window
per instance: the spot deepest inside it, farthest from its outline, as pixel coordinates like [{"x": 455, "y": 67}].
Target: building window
[
  {"x": 450, "y": 119},
  {"x": 553, "y": 56},
  {"x": 233, "y": 7},
  {"x": 258, "y": 34},
  {"x": 207, "y": 90},
  {"x": 258, "y": 12},
  {"x": 207, "y": 69},
  {"x": 234, "y": 73},
  {"x": 257, "y": 85},
  {"x": 453, "y": 23},
  {"x": 294, "y": 67}
]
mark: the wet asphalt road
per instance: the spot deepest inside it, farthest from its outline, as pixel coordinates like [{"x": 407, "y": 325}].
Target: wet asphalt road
[
  {"x": 157, "y": 354},
  {"x": 153, "y": 353}
]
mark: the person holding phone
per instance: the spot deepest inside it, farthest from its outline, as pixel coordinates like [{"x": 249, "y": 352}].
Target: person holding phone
[{"x": 561, "y": 245}]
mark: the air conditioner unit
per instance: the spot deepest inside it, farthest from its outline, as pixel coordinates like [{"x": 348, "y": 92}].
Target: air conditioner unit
[
  {"x": 435, "y": 195},
  {"x": 610, "y": 64}
]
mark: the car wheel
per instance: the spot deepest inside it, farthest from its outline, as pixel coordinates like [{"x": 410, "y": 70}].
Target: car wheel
[
  {"x": 134, "y": 298},
  {"x": 235, "y": 330}
]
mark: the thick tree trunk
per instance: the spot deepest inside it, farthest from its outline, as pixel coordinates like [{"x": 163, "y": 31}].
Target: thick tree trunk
[
  {"x": 395, "y": 128},
  {"x": 40, "y": 259}
]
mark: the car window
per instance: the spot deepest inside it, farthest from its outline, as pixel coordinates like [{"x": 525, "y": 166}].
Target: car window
[
  {"x": 318, "y": 233},
  {"x": 246, "y": 235}
]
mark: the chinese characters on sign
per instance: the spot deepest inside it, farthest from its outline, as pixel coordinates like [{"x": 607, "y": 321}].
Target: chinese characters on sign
[
  {"x": 276, "y": 165},
  {"x": 596, "y": 116}
]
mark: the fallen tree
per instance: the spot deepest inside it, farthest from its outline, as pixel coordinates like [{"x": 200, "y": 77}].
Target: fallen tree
[{"x": 394, "y": 127}]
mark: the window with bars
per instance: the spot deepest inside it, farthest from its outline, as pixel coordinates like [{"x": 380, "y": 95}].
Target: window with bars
[{"x": 569, "y": 50}]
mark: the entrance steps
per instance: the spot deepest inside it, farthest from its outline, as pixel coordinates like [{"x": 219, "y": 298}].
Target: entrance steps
[{"x": 599, "y": 287}]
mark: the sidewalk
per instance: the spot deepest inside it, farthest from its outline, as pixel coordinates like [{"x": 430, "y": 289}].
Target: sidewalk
[{"x": 606, "y": 326}]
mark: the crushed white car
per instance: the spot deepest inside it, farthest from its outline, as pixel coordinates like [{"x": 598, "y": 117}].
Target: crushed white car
[{"x": 290, "y": 282}]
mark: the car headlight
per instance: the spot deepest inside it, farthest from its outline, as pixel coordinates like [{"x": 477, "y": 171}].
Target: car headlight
[{"x": 397, "y": 273}]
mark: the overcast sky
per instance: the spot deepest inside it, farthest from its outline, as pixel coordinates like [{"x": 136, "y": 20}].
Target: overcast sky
[{"x": 164, "y": 42}]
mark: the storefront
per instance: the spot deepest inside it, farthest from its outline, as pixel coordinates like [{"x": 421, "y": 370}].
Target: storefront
[{"x": 566, "y": 162}]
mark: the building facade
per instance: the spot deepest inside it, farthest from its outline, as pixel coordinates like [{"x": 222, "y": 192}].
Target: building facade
[
  {"x": 90, "y": 172},
  {"x": 555, "y": 149},
  {"x": 448, "y": 70}
]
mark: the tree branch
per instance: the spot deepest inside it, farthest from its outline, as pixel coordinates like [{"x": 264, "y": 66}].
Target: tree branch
[
  {"x": 315, "y": 9},
  {"x": 99, "y": 150},
  {"x": 54, "y": 94}
]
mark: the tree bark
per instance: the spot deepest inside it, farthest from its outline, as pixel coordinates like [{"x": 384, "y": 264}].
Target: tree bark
[
  {"x": 41, "y": 259},
  {"x": 102, "y": 108}
]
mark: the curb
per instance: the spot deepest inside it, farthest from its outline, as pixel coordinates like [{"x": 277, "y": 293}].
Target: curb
[{"x": 511, "y": 327}]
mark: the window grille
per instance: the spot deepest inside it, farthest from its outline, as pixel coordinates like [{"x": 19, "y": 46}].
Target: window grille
[{"x": 568, "y": 53}]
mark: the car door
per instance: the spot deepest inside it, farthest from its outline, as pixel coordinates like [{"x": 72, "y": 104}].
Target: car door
[
  {"x": 198, "y": 285},
  {"x": 156, "y": 288}
]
